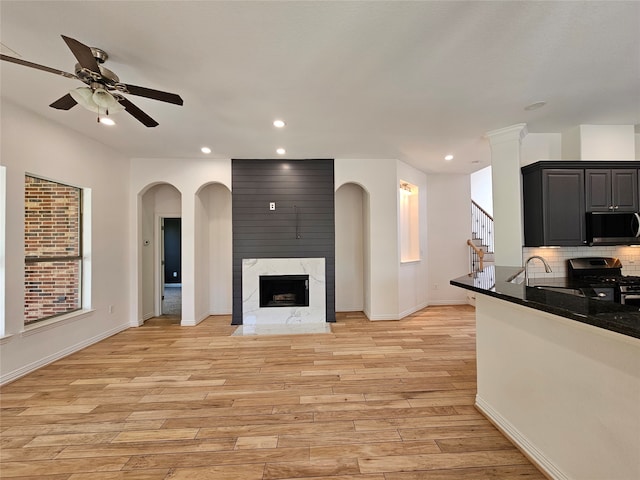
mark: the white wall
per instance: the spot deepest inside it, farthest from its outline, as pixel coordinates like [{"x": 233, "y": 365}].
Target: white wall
[
  {"x": 540, "y": 146},
  {"x": 201, "y": 253},
  {"x": 482, "y": 190},
  {"x": 188, "y": 176},
  {"x": 147, "y": 254},
  {"x": 220, "y": 248},
  {"x": 30, "y": 143},
  {"x": 3, "y": 209},
  {"x": 349, "y": 226},
  {"x": 607, "y": 142},
  {"x": 382, "y": 259},
  {"x": 600, "y": 142},
  {"x": 413, "y": 276},
  {"x": 449, "y": 227}
]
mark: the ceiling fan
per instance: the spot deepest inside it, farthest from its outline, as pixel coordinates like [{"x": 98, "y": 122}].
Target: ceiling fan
[{"x": 104, "y": 93}]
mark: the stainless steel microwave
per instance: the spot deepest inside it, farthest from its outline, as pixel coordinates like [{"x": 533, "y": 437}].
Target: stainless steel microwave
[{"x": 609, "y": 228}]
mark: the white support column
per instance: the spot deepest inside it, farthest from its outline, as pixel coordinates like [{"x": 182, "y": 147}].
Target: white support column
[{"x": 507, "y": 193}]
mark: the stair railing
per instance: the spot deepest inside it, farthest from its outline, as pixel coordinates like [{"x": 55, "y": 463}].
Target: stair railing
[
  {"x": 477, "y": 257},
  {"x": 482, "y": 226}
]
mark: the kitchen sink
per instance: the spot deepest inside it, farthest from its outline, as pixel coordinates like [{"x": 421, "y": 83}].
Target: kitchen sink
[{"x": 567, "y": 290}]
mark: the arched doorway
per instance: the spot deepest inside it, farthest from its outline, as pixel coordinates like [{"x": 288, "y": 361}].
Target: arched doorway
[{"x": 158, "y": 204}]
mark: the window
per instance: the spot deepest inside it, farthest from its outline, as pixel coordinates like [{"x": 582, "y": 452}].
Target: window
[{"x": 53, "y": 249}]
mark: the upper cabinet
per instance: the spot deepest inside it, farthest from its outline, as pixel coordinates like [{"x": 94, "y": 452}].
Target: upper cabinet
[
  {"x": 554, "y": 207},
  {"x": 557, "y": 195},
  {"x": 612, "y": 190}
]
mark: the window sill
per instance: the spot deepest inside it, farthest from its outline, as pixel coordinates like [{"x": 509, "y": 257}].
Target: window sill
[
  {"x": 406, "y": 262},
  {"x": 55, "y": 322}
]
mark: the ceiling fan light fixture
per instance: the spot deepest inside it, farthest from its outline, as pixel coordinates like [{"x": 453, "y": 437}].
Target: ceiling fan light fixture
[
  {"x": 97, "y": 101},
  {"x": 84, "y": 97},
  {"x": 105, "y": 101},
  {"x": 107, "y": 121}
]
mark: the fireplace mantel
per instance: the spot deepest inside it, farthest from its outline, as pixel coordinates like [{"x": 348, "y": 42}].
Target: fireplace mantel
[{"x": 254, "y": 315}]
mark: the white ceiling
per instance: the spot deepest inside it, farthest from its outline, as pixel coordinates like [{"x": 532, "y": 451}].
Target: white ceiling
[{"x": 362, "y": 79}]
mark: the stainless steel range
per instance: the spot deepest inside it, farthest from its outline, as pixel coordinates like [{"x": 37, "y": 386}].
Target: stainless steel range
[
  {"x": 604, "y": 275},
  {"x": 629, "y": 290}
]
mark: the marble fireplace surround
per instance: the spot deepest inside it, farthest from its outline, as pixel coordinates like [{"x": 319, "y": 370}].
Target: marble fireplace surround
[{"x": 289, "y": 319}]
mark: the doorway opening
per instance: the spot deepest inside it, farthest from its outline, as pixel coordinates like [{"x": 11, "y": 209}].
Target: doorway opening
[{"x": 171, "y": 266}]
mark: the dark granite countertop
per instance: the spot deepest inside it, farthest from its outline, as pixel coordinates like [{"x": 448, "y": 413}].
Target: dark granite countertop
[{"x": 548, "y": 295}]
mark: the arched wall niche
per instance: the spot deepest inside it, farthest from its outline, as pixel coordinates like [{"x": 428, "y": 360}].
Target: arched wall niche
[
  {"x": 352, "y": 248},
  {"x": 213, "y": 250}
]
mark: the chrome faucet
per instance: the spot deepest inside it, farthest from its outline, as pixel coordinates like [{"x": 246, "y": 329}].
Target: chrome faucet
[{"x": 547, "y": 268}]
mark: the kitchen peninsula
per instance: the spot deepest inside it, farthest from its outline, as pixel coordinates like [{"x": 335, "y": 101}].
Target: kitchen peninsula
[{"x": 559, "y": 373}]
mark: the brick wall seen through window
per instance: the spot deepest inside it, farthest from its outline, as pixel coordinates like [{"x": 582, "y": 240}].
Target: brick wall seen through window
[{"x": 53, "y": 249}]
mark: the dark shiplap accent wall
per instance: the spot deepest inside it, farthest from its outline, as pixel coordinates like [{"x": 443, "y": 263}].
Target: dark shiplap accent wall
[{"x": 261, "y": 233}]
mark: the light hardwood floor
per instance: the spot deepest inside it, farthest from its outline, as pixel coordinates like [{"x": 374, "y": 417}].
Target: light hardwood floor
[{"x": 370, "y": 401}]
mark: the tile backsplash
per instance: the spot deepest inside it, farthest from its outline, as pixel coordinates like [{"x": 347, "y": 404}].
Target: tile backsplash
[{"x": 557, "y": 258}]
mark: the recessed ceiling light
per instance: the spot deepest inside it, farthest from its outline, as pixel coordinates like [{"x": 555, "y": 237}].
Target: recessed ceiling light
[
  {"x": 281, "y": 151},
  {"x": 535, "y": 106},
  {"x": 206, "y": 150},
  {"x": 448, "y": 157},
  {"x": 107, "y": 121},
  {"x": 279, "y": 123}
]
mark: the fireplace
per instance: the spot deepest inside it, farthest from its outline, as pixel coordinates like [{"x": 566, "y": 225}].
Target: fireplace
[
  {"x": 284, "y": 290},
  {"x": 296, "y": 286}
]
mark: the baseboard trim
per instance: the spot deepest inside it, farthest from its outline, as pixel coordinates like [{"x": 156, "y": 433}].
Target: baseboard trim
[
  {"x": 413, "y": 310},
  {"x": 538, "y": 458},
  {"x": 21, "y": 372},
  {"x": 193, "y": 323},
  {"x": 374, "y": 318},
  {"x": 449, "y": 302}
]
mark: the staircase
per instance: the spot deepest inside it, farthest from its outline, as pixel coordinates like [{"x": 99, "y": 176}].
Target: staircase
[{"x": 481, "y": 238}]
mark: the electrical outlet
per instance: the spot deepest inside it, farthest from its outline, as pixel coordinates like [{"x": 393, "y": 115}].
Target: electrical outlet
[{"x": 272, "y": 205}]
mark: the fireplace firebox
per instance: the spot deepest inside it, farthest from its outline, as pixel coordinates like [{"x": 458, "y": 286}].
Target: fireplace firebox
[{"x": 284, "y": 290}]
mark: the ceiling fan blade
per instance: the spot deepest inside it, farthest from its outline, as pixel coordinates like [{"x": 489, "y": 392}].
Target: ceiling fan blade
[
  {"x": 64, "y": 103},
  {"x": 154, "y": 94},
  {"x": 82, "y": 53},
  {"x": 19, "y": 61},
  {"x": 137, "y": 113}
]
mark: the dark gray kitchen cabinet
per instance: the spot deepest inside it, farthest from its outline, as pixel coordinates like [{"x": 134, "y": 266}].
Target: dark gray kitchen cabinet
[
  {"x": 553, "y": 206},
  {"x": 609, "y": 190}
]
